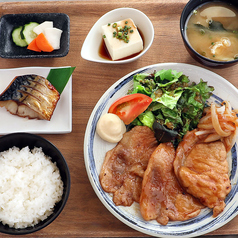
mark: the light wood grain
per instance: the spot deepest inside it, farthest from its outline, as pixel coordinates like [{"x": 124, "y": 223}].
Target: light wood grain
[{"x": 84, "y": 215}]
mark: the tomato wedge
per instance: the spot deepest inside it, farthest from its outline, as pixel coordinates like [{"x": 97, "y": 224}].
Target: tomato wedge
[{"x": 130, "y": 106}]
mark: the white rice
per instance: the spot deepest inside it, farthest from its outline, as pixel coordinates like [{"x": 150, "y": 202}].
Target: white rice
[{"x": 30, "y": 186}]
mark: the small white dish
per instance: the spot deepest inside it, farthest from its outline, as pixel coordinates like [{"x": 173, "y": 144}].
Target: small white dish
[
  {"x": 61, "y": 121},
  {"x": 91, "y": 45}
]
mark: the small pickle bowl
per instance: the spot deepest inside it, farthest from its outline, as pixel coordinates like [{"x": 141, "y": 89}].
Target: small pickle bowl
[
  {"x": 22, "y": 140},
  {"x": 8, "y": 22},
  {"x": 189, "y": 8},
  {"x": 91, "y": 47}
]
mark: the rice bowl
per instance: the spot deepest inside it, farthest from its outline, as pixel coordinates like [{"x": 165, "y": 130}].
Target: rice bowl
[
  {"x": 30, "y": 187},
  {"x": 49, "y": 212}
]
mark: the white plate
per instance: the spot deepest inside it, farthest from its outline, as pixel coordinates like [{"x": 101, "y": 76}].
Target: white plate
[
  {"x": 61, "y": 121},
  {"x": 95, "y": 149},
  {"x": 91, "y": 45}
]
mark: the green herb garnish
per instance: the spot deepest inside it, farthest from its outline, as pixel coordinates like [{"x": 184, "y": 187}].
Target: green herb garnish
[{"x": 121, "y": 33}]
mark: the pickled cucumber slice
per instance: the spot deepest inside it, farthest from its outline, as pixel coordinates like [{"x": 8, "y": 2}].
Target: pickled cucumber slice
[
  {"x": 28, "y": 32},
  {"x": 16, "y": 37}
]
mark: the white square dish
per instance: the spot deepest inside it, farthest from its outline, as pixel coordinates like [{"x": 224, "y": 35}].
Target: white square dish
[{"x": 61, "y": 121}]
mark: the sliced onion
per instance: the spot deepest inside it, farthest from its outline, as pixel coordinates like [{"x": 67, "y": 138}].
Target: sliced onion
[
  {"x": 215, "y": 122},
  {"x": 228, "y": 126},
  {"x": 219, "y": 123},
  {"x": 205, "y": 119},
  {"x": 204, "y": 132},
  {"x": 221, "y": 109},
  {"x": 207, "y": 126},
  {"x": 212, "y": 137}
]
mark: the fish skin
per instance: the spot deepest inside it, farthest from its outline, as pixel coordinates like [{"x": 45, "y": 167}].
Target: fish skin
[{"x": 32, "y": 92}]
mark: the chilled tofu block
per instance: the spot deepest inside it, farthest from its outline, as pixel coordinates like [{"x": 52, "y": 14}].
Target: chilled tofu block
[{"x": 122, "y": 39}]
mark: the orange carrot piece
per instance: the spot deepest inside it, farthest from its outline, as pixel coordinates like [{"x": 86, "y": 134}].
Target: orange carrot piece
[
  {"x": 33, "y": 46},
  {"x": 43, "y": 44}
]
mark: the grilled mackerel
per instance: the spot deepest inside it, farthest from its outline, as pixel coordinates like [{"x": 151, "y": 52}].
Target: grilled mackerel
[{"x": 31, "y": 96}]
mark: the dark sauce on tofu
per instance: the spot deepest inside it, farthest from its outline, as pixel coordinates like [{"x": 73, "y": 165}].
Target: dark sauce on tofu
[{"x": 103, "y": 52}]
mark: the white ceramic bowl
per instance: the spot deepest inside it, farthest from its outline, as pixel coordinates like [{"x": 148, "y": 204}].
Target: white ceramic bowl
[{"x": 91, "y": 45}]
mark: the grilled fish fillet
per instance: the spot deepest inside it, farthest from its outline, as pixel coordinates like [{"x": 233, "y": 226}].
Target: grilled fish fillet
[{"x": 31, "y": 96}]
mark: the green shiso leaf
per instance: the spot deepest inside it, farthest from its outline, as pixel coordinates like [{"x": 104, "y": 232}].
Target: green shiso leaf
[{"x": 59, "y": 77}]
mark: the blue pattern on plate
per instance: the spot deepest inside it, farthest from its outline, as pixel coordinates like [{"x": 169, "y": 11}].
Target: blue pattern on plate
[{"x": 201, "y": 224}]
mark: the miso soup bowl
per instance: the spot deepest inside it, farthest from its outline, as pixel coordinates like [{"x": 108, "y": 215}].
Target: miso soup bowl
[{"x": 188, "y": 9}]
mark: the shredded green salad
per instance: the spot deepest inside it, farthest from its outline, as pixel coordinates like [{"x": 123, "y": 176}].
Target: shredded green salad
[{"x": 177, "y": 104}]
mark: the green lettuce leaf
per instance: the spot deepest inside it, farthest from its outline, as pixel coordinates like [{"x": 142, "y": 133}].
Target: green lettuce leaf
[
  {"x": 144, "y": 84},
  {"x": 167, "y": 77},
  {"x": 147, "y": 118},
  {"x": 177, "y": 103},
  {"x": 168, "y": 99}
]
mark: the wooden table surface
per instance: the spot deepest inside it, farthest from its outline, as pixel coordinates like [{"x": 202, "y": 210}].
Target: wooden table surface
[{"x": 84, "y": 215}]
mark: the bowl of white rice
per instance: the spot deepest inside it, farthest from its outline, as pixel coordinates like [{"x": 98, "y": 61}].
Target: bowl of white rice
[{"x": 35, "y": 183}]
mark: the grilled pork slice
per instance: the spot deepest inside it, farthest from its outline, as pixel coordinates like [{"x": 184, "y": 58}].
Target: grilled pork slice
[
  {"x": 162, "y": 198},
  {"x": 202, "y": 169},
  {"x": 30, "y": 96},
  {"x": 124, "y": 165}
]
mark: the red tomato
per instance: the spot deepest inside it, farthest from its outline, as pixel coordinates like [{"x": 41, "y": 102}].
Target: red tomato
[{"x": 130, "y": 106}]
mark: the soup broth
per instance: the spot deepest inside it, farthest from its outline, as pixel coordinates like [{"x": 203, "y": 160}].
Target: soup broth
[{"x": 212, "y": 31}]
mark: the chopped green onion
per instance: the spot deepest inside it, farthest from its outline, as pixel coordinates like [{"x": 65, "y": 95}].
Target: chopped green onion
[
  {"x": 121, "y": 33},
  {"x": 104, "y": 36}
]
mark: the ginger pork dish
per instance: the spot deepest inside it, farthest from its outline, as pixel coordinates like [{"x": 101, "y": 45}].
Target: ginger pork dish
[{"x": 172, "y": 160}]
